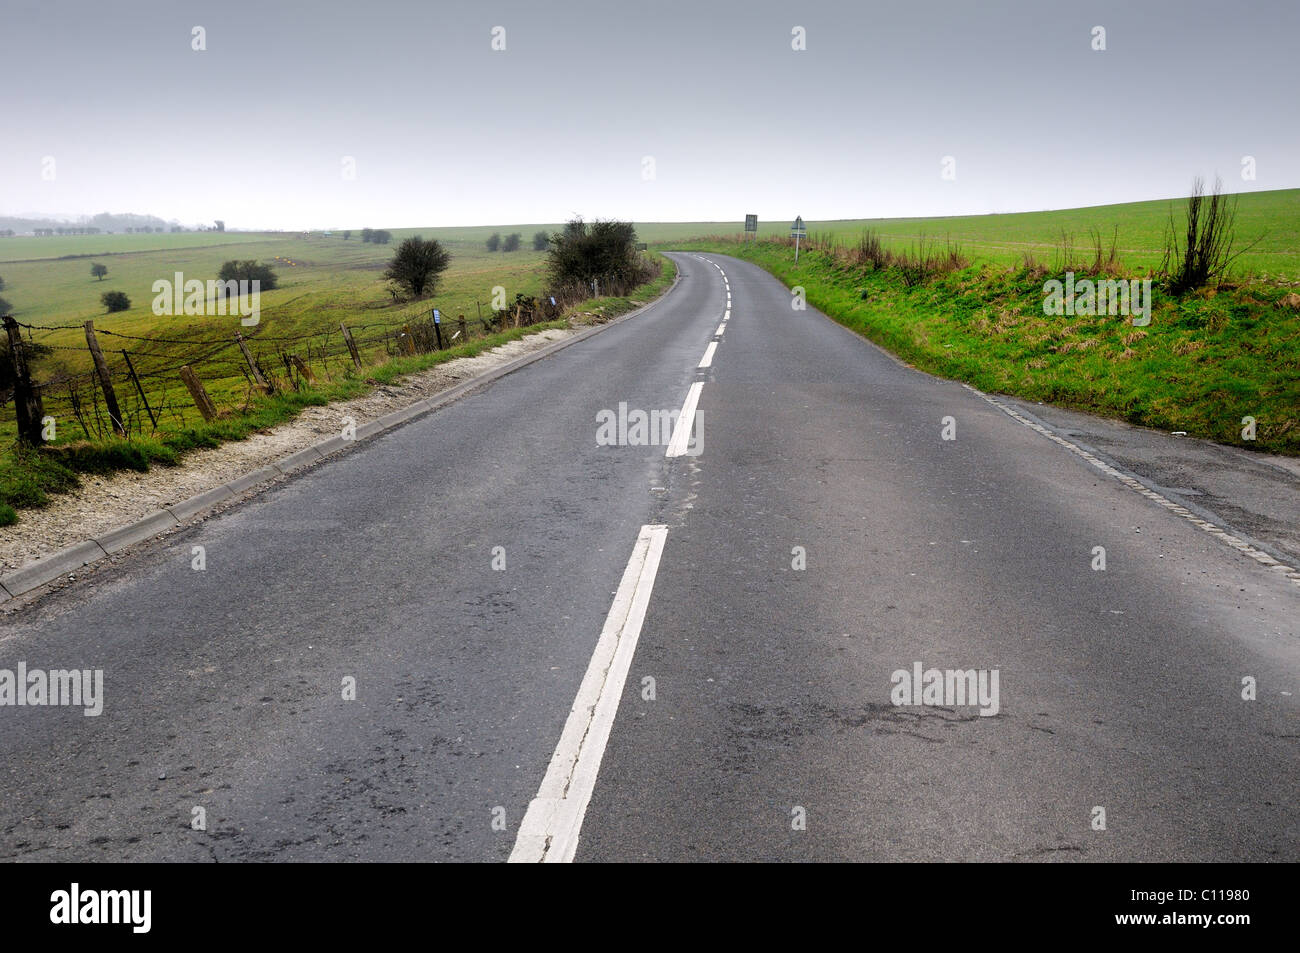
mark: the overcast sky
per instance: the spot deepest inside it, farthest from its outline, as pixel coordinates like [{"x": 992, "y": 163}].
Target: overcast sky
[{"x": 444, "y": 130}]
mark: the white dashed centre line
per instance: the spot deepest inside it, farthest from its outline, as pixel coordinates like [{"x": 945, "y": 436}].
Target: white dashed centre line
[
  {"x": 550, "y": 828},
  {"x": 682, "y": 432}
]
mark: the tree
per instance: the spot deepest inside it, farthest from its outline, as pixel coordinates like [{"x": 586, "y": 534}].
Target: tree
[
  {"x": 221, "y": 226},
  {"x": 2, "y": 284},
  {"x": 5, "y": 308},
  {"x": 98, "y": 271},
  {"x": 381, "y": 236},
  {"x": 249, "y": 271},
  {"x": 584, "y": 252},
  {"x": 540, "y": 241},
  {"x": 494, "y": 241},
  {"x": 115, "y": 301},
  {"x": 366, "y": 233},
  {"x": 511, "y": 242},
  {"x": 418, "y": 265},
  {"x": 347, "y": 235}
]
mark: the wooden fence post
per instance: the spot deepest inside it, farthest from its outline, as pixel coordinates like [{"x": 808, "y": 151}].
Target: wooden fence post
[
  {"x": 464, "y": 331},
  {"x": 201, "y": 399},
  {"x": 105, "y": 382},
  {"x": 303, "y": 369},
  {"x": 27, "y": 396},
  {"x": 257, "y": 375},
  {"x": 352, "y": 345}
]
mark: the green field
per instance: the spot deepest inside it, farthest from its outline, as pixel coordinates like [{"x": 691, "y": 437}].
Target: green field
[
  {"x": 1272, "y": 217},
  {"x": 321, "y": 282},
  {"x": 27, "y": 248}
]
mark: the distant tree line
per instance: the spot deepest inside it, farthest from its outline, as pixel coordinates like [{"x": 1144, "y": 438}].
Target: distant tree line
[
  {"x": 376, "y": 236},
  {"x": 511, "y": 242}
]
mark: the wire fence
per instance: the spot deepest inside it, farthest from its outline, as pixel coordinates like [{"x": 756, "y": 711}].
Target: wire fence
[
  {"x": 132, "y": 384},
  {"x": 148, "y": 377}
]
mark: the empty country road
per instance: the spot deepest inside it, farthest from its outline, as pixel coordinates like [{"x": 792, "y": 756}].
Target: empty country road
[{"x": 572, "y": 637}]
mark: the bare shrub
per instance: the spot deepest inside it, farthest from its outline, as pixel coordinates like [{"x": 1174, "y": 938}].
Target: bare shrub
[
  {"x": 928, "y": 260},
  {"x": 1105, "y": 260},
  {"x": 1205, "y": 251},
  {"x": 871, "y": 252}
]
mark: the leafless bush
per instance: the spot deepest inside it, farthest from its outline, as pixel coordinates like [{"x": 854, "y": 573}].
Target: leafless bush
[
  {"x": 1206, "y": 249},
  {"x": 1105, "y": 260},
  {"x": 1063, "y": 255},
  {"x": 1031, "y": 266},
  {"x": 871, "y": 251},
  {"x": 929, "y": 259}
]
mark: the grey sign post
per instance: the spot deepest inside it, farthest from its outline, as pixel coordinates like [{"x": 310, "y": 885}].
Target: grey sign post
[
  {"x": 797, "y": 231},
  {"x": 751, "y": 226}
]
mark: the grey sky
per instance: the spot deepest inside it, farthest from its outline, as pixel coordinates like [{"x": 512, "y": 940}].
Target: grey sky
[{"x": 446, "y": 131}]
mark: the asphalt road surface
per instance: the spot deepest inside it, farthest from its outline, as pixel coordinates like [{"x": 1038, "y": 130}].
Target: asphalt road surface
[{"x": 563, "y": 649}]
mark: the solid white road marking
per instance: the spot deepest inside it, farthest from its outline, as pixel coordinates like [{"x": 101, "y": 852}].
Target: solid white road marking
[
  {"x": 721, "y": 327},
  {"x": 726, "y": 314},
  {"x": 550, "y": 828},
  {"x": 707, "y": 360},
  {"x": 1263, "y": 558},
  {"x": 682, "y": 432}
]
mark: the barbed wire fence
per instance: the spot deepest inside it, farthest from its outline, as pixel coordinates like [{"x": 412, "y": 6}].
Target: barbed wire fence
[{"x": 144, "y": 384}]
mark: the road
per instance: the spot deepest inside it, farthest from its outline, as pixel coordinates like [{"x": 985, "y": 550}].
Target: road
[{"x": 747, "y": 606}]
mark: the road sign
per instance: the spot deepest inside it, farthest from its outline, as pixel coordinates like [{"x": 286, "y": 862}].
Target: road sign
[
  {"x": 797, "y": 231},
  {"x": 437, "y": 316},
  {"x": 751, "y": 223}
]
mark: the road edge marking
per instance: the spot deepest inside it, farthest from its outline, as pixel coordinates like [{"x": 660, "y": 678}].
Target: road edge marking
[{"x": 1237, "y": 543}]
